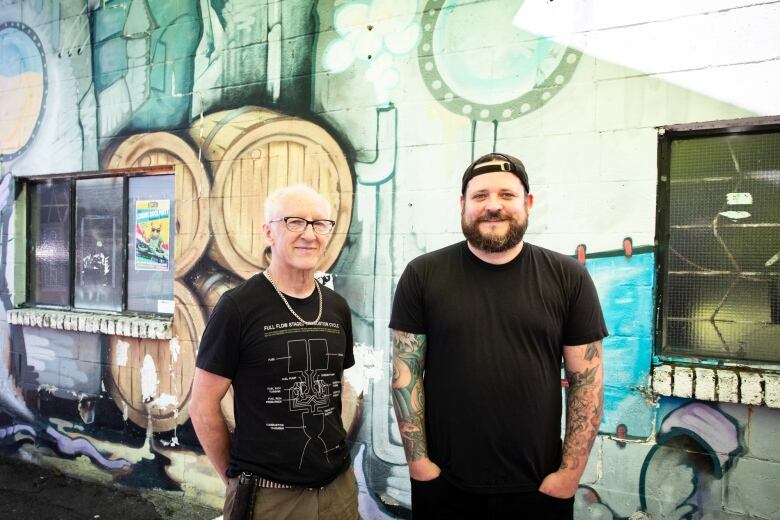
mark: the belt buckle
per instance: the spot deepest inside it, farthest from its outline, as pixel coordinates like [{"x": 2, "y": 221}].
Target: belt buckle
[{"x": 244, "y": 477}]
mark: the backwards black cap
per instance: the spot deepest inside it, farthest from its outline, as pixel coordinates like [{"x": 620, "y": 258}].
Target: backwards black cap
[{"x": 507, "y": 164}]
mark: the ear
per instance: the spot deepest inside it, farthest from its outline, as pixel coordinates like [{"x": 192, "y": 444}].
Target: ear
[
  {"x": 529, "y": 202},
  {"x": 269, "y": 239},
  {"x": 462, "y": 200}
]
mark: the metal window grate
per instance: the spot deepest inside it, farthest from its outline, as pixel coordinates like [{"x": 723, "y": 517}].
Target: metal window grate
[{"x": 721, "y": 294}]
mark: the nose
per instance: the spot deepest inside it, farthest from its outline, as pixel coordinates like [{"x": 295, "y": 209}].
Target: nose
[
  {"x": 308, "y": 232},
  {"x": 494, "y": 203}
]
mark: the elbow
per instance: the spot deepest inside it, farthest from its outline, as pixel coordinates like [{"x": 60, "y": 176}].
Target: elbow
[{"x": 199, "y": 409}]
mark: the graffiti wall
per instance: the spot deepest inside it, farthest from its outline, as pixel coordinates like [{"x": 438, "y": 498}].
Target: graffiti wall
[{"x": 380, "y": 105}]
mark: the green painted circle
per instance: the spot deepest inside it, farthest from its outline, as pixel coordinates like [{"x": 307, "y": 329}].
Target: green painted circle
[{"x": 447, "y": 93}]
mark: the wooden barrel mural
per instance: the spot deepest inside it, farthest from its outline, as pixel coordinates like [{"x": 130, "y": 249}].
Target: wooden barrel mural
[
  {"x": 151, "y": 380},
  {"x": 192, "y": 189},
  {"x": 210, "y": 286},
  {"x": 252, "y": 152}
]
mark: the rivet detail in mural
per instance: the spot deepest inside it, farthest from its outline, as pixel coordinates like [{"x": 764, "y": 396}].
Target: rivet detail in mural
[{"x": 495, "y": 73}]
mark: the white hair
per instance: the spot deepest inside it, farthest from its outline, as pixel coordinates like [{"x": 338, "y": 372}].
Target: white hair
[{"x": 273, "y": 202}]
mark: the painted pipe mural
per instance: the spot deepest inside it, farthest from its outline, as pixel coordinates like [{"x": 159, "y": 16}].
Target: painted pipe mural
[{"x": 379, "y": 104}]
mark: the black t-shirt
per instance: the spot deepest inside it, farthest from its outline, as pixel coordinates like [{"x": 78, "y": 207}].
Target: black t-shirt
[
  {"x": 286, "y": 380},
  {"x": 495, "y": 336}
]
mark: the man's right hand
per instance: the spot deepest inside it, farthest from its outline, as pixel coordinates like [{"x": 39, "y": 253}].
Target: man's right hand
[{"x": 424, "y": 469}]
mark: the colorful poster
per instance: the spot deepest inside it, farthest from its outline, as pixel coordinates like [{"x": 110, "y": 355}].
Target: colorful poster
[{"x": 152, "y": 235}]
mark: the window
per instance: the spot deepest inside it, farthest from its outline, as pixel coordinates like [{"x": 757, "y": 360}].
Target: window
[
  {"x": 102, "y": 243},
  {"x": 719, "y": 241}
]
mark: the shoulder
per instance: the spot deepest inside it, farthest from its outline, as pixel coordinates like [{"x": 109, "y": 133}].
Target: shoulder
[
  {"x": 437, "y": 258},
  {"x": 559, "y": 261},
  {"x": 333, "y": 296},
  {"x": 247, "y": 291}
]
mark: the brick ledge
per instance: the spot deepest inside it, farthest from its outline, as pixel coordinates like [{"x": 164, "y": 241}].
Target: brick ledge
[
  {"x": 110, "y": 324},
  {"x": 726, "y": 385}
]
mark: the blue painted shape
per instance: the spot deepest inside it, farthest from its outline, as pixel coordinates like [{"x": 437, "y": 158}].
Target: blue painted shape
[
  {"x": 24, "y": 86},
  {"x": 625, "y": 287},
  {"x": 166, "y": 34}
]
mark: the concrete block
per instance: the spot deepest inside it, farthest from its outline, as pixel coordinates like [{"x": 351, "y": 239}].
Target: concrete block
[
  {"x": 593, "y": 467},
  {"x": 705, "y": 384},
  {"x": 751, "y": 488},
  {"x": 662, "y": 380},
  {"x": 772, "y": 390},
  {"x": 762, "y": 433},
  {"x": 750, "y": 388},
  {"x": 683, "y": 382},
  {"x": 621, "y": 467},
  {"x": 728, "y": 386}
]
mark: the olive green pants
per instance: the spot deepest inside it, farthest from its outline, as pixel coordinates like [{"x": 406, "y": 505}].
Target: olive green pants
[{"x": 336, "y": 501}]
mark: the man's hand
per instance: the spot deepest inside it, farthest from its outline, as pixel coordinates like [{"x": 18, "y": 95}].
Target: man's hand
[
  {"x": 561, "y": 484},
  {"x": 423, "y": 469}
]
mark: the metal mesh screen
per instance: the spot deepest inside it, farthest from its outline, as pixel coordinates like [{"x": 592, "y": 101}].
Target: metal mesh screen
[{"x": 722, "y": 290}]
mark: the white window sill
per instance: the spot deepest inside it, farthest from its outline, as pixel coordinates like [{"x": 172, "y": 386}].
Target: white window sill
[
  {"x": 94, "y": 322},
  {"x": 725, "y": 385}
]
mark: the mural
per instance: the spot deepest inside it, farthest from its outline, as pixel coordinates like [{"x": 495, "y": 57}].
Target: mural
[
  {"x": 23, "y": 83},
  {"x": 380, "y": 105}
]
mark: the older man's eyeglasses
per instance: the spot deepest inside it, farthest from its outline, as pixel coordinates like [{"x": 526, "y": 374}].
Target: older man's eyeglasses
[{"x": 298, "y": 224}]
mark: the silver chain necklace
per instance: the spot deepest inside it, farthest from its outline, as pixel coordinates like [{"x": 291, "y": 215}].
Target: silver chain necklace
[{"x": 281, "y": 295}]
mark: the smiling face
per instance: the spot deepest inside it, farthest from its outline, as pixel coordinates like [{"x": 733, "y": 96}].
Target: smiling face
[
  {"x": 303, "y": 250},
  {"x": 494, "y": 211}
]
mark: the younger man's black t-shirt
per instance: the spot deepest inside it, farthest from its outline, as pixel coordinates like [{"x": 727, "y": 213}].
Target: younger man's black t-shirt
[{"x": 495, "y": 336}]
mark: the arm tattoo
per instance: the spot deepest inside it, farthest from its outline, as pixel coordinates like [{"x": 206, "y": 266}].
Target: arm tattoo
[
  {"x": 408, "y": 393},
  {"x": 584, "y": 406},
  {"x": 591, "y": 351}
]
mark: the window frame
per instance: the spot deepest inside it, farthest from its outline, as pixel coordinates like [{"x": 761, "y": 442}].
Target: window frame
[
  {"x": 666, "y": 135},
  {"x": 72, "y": 178}
]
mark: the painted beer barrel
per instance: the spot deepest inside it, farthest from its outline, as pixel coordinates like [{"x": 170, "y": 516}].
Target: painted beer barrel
[
  {"x": 211, "y": 285},
  {"x": 192, "y": 189},
  {"x": 254, "y": 151},
  {"x": 150, "y": 380}
]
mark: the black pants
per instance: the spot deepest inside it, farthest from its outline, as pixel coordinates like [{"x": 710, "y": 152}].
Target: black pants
[{"x": 439, "y": 500}]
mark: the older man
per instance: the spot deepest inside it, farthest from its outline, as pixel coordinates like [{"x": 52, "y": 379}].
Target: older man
[
  {"x": 480, "y": 328},
  {"x": 282, "y": 340}
]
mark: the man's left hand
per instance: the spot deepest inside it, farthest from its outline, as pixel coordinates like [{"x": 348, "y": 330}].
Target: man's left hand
[{"x": 561, "y": 484}]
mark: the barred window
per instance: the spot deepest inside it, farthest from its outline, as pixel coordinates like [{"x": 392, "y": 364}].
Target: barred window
[{"x": 719, "y": 242}]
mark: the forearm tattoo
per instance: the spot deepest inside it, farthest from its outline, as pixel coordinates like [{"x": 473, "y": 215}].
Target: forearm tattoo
[
  {"x": 584, "y": 407},
  {"x": 408, "y": 393}
]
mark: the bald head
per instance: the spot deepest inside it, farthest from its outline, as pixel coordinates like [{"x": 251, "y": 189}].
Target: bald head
[{"x": 292, "y": 197}]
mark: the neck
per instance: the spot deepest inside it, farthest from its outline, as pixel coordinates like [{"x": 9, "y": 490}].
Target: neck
[
  {"x": 497, "y": 258},
  {"x": 294, "y": 282}
]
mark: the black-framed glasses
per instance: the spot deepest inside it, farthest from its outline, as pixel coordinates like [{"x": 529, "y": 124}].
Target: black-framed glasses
[{"x": 298, "y": 224}]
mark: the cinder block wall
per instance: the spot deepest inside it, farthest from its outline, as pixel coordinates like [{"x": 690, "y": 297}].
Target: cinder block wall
[{"x": 381, "y": 105}]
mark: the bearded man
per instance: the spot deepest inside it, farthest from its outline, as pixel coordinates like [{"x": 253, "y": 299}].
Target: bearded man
[{"x": 480, "y": 330}]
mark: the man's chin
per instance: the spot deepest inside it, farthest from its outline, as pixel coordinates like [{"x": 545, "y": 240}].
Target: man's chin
[{"x": 493, "y": 243}]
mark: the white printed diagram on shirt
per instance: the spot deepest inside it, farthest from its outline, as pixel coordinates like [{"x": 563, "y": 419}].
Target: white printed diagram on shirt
[{"x": 307, "y": 390}]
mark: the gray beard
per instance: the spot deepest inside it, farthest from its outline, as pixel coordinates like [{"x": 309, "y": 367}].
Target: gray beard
[{"x": 493, "y": 243}]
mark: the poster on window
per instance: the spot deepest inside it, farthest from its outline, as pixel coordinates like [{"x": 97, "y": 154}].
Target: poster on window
[{"x": 152, "y": 235}]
